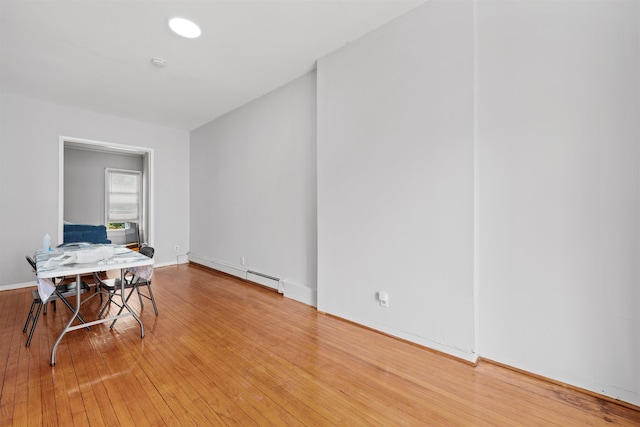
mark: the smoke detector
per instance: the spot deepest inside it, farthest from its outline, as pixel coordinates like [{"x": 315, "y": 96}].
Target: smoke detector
[{"x": 158, "y": 62}]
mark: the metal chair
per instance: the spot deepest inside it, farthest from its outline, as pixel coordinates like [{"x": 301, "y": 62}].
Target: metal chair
[
  {"x": 60, "y": 293},
  {"x": 133, "y": 283}
]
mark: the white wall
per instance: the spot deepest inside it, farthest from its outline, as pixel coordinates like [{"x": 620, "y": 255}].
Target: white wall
[
  {"x": 559, "y": 190},
  {"x": 29, "y": 137},
  {"x": 395, "y": 178},
  {"x": 253, "y": 188}
]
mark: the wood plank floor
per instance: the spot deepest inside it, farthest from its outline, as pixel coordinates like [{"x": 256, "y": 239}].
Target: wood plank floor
[{"x": 225, "y": 352}]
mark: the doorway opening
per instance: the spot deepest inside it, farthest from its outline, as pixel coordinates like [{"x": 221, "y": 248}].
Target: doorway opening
[{"x": 81, "y": 199}]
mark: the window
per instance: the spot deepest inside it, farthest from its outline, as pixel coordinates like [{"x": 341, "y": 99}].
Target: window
[{"x": 123, "y": 194}]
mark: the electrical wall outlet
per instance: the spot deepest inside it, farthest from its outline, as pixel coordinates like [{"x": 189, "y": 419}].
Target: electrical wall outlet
[
  {"x": 383, "y": 297},
  {"x": 242, "y": 260},
  {"x": 177, "y": 248}
]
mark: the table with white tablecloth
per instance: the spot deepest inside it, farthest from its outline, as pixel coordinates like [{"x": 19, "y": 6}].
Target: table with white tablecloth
[{"x": 87, "y": 259}]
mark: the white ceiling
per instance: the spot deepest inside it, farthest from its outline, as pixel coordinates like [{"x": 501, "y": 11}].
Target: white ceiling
[{"x": 96, "y": 55}]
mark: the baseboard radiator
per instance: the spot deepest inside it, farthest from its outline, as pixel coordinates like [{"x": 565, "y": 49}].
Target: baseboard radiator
[
  {"x": 241, "y": 272},
  {"x": 264, "y": 280}
]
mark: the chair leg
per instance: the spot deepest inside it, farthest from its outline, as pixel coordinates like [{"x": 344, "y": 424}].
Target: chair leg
[
  {"x": 53, "y": 303},
  {"x": 97, "y": 286},
  {"x": 29, "y": 317},
  {"x": 33, "y": 326},
  {"x": 139, "y": 297},
  {"x": 106, "y": 304},
  {"x": 153, "y": 301},
  {"x": 150, "y": 296},
  {"x": 122, "y": 306}
]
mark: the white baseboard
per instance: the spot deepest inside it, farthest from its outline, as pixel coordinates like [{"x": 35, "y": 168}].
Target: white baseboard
[
  {"x": 219, "y": 265},
  {"x": 290, "y": 290},
  {"x": 301, "y": 293},
  {"x": 180, "y": 259},
  {"x": 17, "y": 286},
  {"x": 467, "y": 355}
]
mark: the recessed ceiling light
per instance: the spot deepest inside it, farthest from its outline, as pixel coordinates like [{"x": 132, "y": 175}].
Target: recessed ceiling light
[{"x": 185, "y": 28}]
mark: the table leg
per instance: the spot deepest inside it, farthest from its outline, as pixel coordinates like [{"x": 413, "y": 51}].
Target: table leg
[{"x": 66, "y": 328}]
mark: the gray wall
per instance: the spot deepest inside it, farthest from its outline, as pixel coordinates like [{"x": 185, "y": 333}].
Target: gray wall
[
  {"x": 559, "y": 162},
  {"x": 84, "y": 186},
  {"x": 482, "y": 167},
  {"x": 253, "y": 194},
  {"x": 29, "y": 176},
  {"x": 395, "y": 178}
]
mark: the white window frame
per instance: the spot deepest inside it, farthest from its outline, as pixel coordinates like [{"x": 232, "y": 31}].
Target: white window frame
[{"x": 107, "y": 173}]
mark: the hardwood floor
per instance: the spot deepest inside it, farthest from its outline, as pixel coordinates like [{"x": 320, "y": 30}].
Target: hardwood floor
[{"x": 225, "y": 352}]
